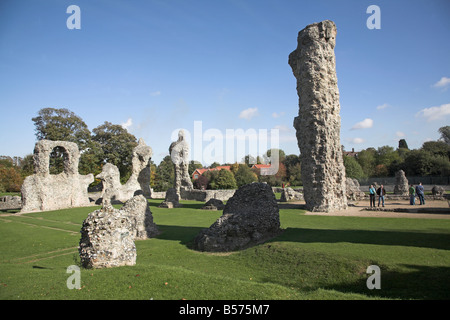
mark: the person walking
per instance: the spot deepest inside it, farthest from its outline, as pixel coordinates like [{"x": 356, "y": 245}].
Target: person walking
[
  {"x": 381, "y": 192},
  {"x": 372, "y": 195},
  {"x": 412, "y": 195},
  {"x": 420, "y": 193}
]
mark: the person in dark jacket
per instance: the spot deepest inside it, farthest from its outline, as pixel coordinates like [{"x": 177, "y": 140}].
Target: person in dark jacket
[
  {"x": 420, "y": 193},
  {"x": 381, "y": 192}
]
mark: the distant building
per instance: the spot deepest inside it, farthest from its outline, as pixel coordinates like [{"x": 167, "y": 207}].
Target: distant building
[
  {"x": 262, "y": 167},
  {"x": 198, "y": 172},
  {"x": 352, "y": 153}
]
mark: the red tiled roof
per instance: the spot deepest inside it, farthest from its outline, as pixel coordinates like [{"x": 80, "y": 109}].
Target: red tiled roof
[
  {"x": 203, "y": 170},
  {"x": 260, "y": 166}
]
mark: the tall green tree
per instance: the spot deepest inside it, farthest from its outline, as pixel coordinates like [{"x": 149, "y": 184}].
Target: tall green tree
[
  {"x": 402, "y": 144},
  {"x": 445, "y": 134},
  {"x": 244, "y": 175},
  {"x": 225, "y": 180},
  {"x": 367, "y": 160},
  {"x": 165, "y": 175},
  {"x": 352, "y": 168},
  {"x": 117, "y": 146},
  {"x": 61, "y": 125}
]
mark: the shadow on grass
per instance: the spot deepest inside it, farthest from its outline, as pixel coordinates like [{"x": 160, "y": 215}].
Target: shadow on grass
[
  {"x": 390, "y": 238},
  {"x": 185, "y": 235},
  {"x": 413, "y": 282},
  {"x": 403, "y": 282},
  {"x": 196, "y": 205}
]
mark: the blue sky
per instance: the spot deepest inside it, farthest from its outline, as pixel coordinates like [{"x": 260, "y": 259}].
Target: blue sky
[{"x": 156, "y": 66}]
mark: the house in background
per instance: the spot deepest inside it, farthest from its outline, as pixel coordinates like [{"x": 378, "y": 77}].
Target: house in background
[
  {"x": 352, "y": 153},
  {"x": 262, "y": 167},
  {"x": 198, "y": 172}
]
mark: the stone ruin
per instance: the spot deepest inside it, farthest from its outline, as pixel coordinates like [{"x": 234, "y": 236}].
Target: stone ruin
[
  {"x": 438, "y": 191},
  {"x": 250, "y": 217},
  {"x": 179, "y": 153},
  {"x": 214, "y": 205},
  {"x": 43, "y": 191},
  {"x": 108, "y": 234},
  {"x": 353, "y": 190},
  {"x": 138, "y": 183},
  {"x": 318, "y": 122},
  {"x": 289, "y": 194},
  {"x": 10, "y": 203},
  {"x": 172, "y": 199},
  {"x": 401, "y": 183}
]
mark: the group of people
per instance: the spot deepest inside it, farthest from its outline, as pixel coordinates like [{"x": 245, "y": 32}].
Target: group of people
[
  {"x": 419, "y": 191},
  {"x": 381, "y": 193}
]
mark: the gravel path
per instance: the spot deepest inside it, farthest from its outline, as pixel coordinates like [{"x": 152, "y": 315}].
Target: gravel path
[{"x": 433, "y": 209}]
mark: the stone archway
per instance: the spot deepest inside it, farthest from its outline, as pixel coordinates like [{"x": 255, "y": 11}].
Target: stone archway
[{"x": 43, "y": 191}]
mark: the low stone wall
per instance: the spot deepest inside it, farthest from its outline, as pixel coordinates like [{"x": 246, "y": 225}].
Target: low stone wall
[
  {"x": 205, "y": 195},
  {"x": 10, "y": 203},
  {"x": 158, "y": 195}
]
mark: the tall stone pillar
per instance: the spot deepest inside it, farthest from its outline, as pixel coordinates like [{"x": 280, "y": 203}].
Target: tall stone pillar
[{"x": 318, "y": 123}]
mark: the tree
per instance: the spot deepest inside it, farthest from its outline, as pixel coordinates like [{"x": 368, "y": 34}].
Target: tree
[
  {"x": 201, "y": 183},
  {"x": 437, "y": 148},
  {"x": 214, "y": 165},
  {"x": 249, "y": 160},
  {"x": 117, "y": 145},
  {"x": 367, "y": 160},
  {"x": 445, "y": 134},
  {"x": 402, "y": 144},
  {"x": 165, "y": 175},
  {"x": 293, "y": 169},
  {"x": 380, "y": 170},
  {"x": 10, "y": 177},
  {"x": 274, "y": 151},
  {"x": 193, "y": 165},
  {"x": 225, "y": 180},
  {"x": 352, "y": 168},
  {"x": 386, "y": 155},
  {"x": 212, "y": 176},
  {"x": 418, "y": 163},
  {"x": 61, "y": 125},
  {"x": 245, "y": 175}
]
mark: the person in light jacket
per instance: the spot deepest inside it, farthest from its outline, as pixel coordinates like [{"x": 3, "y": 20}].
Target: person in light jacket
[{"x": 372, "y": 194}]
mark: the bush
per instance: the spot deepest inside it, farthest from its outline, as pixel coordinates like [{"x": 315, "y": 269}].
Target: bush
[
  {"x": 201, "y": 183},
  {"x": 224, "y": 180},
  {"x": 244, "y": 175}
]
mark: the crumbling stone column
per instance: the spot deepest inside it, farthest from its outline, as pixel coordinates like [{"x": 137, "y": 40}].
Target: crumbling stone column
[
  {"x": 318, "y": 122},
  {"x": 179, "y": 152}
]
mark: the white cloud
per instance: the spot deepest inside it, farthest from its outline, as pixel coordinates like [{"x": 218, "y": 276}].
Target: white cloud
[
  {"x": 155, "y": 93},
  {"x": 356, "y": 140},
  {"x": 277, "y": 115},
  {"x": 383, "y": 106},
  {"x": 126, "y": 125},
  {"x": 400, "y": 134},
  {"x": 248, "y": 113},
  {"x": 444, "y": 82},
  {"x": 434, "y": 113},
  {"x": 366, "y": 123}
]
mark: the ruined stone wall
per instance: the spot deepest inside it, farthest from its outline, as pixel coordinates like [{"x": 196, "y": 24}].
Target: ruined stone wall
[
  {"x": 43, "y": 191},
  {"x": 318, "y": 122}
]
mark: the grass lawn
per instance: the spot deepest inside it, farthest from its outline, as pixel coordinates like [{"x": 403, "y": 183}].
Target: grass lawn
[{"x": 316, "y": 257}]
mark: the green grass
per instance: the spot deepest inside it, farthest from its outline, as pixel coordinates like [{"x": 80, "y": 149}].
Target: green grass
[{"x": 316, "y": 257}]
